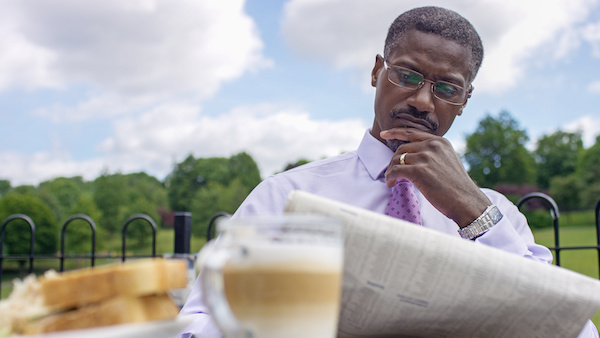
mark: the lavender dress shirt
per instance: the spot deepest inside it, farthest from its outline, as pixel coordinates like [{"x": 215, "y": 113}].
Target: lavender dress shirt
[{"x": 356, "y": 178}]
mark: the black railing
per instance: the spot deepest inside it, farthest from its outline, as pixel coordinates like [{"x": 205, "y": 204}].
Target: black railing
[
  {"x": 182, "y": 228},
  {"x": 182, "y": 244},
  {"x": 550, "y": 204},
  {"x": 62, "y": 239},
  {"x": 31, "y": 244},
  {"x": 212, "y": 224},
  {"x": 148, "y": 220}
]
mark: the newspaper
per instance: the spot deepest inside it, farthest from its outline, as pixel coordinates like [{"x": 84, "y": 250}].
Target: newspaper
[{"x": 402, "y": 280}]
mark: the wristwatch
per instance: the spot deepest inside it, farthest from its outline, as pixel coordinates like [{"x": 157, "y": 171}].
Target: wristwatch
[{"x": 490, "y": 217}]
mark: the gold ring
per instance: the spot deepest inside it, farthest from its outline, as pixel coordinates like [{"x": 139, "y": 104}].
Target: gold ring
[{"x": 402, "y": 159}]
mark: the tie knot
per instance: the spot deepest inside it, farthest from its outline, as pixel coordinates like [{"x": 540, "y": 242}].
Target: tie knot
[
  {"x": 403, "y": 184},
  {"x": 402, "y": 181}
]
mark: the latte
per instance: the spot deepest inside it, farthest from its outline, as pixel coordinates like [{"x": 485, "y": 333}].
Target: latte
[{"x": 283, "y": 289}]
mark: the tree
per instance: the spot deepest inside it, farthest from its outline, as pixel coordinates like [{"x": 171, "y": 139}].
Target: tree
[
  {"x": 192, "y": 175},
  {"x": 298, "y": 163},
  {"x": 17, "y": 237},
  {"x": 216, "y": 198},
  {"x": 588, "y": 170},
  {"x": 556, "y": 156},
  {"x": 183, "y": 182},
  {"x": 62, "y": 193},
  {"x": 143, "y": 186},
  {"x": 110, "y": 199},
  {"x": 496, "y": 153},
  {"x": 243, "y": 167},
  {"x": 5, "y": 187},
  {"x": 206, "y": 186},
  {"x": 121, "y": 196},
  {"x": 25, "y": 190},
  {"x": 566, "y": 191}
]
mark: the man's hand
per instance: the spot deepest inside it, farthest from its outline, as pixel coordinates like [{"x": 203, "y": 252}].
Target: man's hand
[{"x": 433, "y": 166}]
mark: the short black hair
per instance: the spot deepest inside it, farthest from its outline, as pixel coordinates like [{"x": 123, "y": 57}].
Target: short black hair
[{"x": 439, "y": 21}]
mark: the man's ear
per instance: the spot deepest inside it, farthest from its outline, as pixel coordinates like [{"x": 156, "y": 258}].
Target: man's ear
[{"x": 376, "y": 68}]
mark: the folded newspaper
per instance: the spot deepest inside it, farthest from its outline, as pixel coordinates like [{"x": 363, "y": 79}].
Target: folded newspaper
[{"x": 401, "y": 280}]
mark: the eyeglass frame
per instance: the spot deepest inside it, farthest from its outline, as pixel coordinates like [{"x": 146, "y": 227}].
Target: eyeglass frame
[{"x": 468, "y": 91}]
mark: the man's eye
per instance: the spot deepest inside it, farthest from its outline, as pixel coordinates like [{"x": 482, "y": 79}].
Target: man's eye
[
  {"x": 446, "y": 89},
  {"x": 409, "y": 77}
]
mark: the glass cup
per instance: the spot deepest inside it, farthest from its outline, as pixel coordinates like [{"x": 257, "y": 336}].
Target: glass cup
[{"x": 276, "y": 276}]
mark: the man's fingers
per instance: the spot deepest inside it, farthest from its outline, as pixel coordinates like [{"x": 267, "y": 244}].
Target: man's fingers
[{"x": 405, "y": 134}]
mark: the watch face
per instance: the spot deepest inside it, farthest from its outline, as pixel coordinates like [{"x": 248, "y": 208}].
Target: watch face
[{"x": 496, "y": 215}]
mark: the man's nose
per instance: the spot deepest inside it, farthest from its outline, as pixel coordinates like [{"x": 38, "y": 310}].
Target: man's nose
[{"x": 422, "y": 98}]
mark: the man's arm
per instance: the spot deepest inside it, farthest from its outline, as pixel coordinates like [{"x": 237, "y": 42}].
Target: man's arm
[
  {"x": 202, "y": 323},
  {"x": 433, "y": 166},
  {"x": 512, "y": 233}
]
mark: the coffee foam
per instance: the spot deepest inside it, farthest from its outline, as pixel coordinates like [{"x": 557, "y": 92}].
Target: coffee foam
[{"x": 288, "y": 256}]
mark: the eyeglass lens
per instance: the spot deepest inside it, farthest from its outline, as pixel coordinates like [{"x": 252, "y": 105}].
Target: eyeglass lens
[{"x": 410, "y": 79}]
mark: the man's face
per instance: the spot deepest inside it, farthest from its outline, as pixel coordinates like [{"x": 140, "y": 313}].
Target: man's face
[{"x": 437, "y": 59}]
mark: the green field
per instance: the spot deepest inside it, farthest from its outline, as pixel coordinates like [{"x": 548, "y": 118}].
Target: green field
[{"x": 582, "y": 261}]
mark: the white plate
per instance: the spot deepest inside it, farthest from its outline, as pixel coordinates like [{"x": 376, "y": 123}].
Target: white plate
[{"x": 159, "y": 329}]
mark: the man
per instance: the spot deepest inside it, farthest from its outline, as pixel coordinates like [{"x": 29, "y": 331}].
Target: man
[{"x": 422, "y": 83}]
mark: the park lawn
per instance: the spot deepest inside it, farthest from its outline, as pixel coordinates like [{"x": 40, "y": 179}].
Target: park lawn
[{"x": 584, "y": 261}]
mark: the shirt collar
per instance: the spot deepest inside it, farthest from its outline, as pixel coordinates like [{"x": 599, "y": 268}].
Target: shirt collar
[{"x": 374, "y": 155}]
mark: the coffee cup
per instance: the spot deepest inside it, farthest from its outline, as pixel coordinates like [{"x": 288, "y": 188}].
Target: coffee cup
[{"x": 276, "y": 276}]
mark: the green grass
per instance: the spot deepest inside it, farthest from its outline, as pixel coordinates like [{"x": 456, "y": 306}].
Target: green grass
[{"x": 584, "y": 261}]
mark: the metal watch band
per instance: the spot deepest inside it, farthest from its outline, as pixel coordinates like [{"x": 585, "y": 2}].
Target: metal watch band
[{"x": 490, "y": 217}]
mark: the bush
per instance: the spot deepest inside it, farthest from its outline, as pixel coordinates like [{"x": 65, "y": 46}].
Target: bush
[
  {"x": 539, "y": 218},
  {"x": 17, "y": 234}
]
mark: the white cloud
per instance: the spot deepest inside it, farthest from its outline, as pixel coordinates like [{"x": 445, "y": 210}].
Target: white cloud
[
  {"x": 591, "y": 33},
  {"x": 154, "y": 141},
  {"x": 348, "y": 34},
  {"x": 23, "y": 63},
  {"x": 131, "y": 50},
  {"x": 159, "y": 138},
  {"x": 594, "y": 87},
  {"x": 149, "y": 65},
  {"x": 589, "y": 126},
  {"x": 34, "y": 168},
  {"x": 97, "y": 105}
]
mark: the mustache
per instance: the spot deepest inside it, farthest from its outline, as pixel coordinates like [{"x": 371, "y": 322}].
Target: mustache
[{"x": 412, "y": 111}]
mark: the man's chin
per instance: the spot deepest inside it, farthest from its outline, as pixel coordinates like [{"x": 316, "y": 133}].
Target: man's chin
[{"x": 394, "y": 144}]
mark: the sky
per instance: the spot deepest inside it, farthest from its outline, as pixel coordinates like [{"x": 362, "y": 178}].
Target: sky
[{"x": 113, "y": 86}]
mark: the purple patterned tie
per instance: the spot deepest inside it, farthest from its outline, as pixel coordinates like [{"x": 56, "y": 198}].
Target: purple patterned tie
[{"x": 403, "y": 203}]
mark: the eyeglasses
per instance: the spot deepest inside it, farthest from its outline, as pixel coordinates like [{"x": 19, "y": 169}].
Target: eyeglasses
[{"x": 444, "y": 91}]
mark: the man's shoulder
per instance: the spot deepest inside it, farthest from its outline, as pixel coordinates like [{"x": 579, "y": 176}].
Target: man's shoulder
[
  {"x": 318, "y": 174},
  {"x": 317, "y": 177}
]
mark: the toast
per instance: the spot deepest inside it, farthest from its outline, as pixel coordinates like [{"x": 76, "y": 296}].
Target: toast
[
  {"x": 78, "y": 288},
  {"x": 118, "y": 293},
  {"x": 118, "y": 310}
]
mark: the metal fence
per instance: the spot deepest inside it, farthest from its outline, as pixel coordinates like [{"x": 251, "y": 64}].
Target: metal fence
[
  {"x": 550, "y": 204},
  {"x": 182, "y": 228}
]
